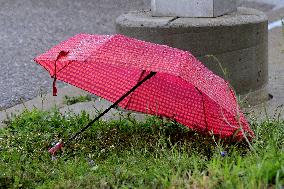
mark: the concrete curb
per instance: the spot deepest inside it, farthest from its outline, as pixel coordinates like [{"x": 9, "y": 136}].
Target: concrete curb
[
  {"x": 48, "y": 101},
  {"x": 45, "y": 102}
]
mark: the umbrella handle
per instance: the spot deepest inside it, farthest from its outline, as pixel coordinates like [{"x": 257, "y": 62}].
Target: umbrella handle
[{"x": 56, "y": 148}]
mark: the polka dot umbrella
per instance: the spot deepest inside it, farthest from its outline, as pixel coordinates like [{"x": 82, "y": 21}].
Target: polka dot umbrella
[{"x": 149, "y": 78}]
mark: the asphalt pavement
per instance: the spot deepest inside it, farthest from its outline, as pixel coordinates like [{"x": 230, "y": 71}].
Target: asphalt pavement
[{"x": 30, "y": 27}]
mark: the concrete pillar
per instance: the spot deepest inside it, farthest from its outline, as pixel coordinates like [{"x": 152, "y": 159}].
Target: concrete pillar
[
  {"x": 237, "y": 40},
  {"x": 192, "y": 8}
]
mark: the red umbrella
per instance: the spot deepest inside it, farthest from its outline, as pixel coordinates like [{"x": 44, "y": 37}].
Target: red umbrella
[{"x": 167, "y": 81}]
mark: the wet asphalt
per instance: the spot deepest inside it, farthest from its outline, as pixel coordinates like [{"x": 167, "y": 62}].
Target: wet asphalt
[{"x": 30, "y": 27}]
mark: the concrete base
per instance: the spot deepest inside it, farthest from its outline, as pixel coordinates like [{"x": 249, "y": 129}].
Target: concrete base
[{"x": 233, "y": 46}]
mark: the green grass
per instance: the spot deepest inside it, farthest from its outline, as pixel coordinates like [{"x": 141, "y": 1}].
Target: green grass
[
  {"x": 73, "y": 100},
  {"x": 126, "y": 154}
]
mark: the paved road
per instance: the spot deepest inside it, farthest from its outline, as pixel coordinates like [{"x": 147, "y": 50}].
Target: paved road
[
  {"x": 276, "y": 3},
  {"x": 30, "y": 27}
]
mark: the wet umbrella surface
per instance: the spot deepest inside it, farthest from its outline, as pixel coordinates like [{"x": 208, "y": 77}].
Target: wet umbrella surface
[{"x": 149, "y": 78}]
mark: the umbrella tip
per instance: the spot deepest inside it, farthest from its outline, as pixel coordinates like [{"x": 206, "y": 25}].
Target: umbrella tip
[{"x": 54, "y": 88}]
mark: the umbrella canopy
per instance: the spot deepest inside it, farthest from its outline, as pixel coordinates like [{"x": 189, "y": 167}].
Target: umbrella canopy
[{"x": 182, "y": 89}]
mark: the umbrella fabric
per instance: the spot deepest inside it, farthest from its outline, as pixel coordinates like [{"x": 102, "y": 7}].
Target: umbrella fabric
[{"x": 183, "y": 89}]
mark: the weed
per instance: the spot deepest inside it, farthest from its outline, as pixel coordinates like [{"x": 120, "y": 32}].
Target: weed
[{"x": 73, "y": 100}]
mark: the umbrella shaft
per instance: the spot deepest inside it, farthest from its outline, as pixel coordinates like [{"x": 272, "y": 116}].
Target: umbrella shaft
[{"x": 112, "y": 106}]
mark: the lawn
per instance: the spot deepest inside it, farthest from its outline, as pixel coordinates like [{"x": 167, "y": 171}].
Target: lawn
[{"x": 127, "y": 154}]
